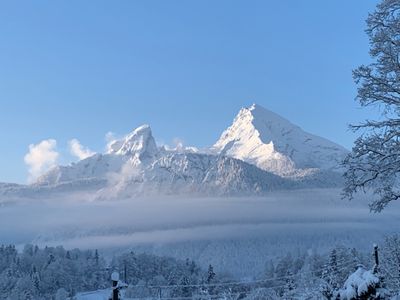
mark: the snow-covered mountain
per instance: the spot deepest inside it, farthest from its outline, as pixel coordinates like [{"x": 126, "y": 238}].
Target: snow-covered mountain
[
  {"x": 139, "y": 145},
  {"x": 194, "y": 174},
  {"x": 134, "y": 150},
  {"x": 269, "y": 141},
  {"x": 259, "y": 153}
]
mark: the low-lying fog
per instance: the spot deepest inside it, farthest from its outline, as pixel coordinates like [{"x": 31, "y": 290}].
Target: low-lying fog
[{"x": 192, "y": 227}]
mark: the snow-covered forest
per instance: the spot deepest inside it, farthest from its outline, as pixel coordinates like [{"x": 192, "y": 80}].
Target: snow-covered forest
[
  {"x": 342, "y": 273},
  {"x": 267, "y": 211}
]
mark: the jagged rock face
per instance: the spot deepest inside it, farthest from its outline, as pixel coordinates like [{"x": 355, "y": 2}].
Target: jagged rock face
[
  {"x": 259, "y": 153},
  {"x": 196, "y": 174},
  {"x": 139, "y": 145},
  {"x": 136, "y": 148},
  {"x": 272, "y": 143}
]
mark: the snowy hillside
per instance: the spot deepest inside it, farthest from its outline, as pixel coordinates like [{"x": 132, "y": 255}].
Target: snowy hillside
[
  {"x": 274, "y": 144},
  {"x": 259, "y": 153},
  {"x": 194, "y": 174}
]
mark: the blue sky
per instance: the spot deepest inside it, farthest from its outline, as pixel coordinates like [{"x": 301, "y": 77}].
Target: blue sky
[{"x": 79, "y": 69}]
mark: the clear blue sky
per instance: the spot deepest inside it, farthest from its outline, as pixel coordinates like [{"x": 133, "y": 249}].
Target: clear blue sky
[{"x": 78, "y": 69}]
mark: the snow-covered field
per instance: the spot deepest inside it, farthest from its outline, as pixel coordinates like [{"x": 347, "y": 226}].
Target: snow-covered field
[
  {"x": 94, "y": 295},
  {"x": 237, "y": 235}
]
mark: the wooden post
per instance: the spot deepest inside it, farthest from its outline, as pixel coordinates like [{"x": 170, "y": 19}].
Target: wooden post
[
  {"x": 376, "y": 258},
  {"x": 115, "y": 291}
]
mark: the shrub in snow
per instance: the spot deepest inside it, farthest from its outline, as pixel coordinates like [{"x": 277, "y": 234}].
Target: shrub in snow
[
  {"x": 328, "y": 292},
  {"x": 362, "y": 284}
]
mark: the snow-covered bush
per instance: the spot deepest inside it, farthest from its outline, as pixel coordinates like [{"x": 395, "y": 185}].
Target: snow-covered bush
[{"x": 362, "y": 284}]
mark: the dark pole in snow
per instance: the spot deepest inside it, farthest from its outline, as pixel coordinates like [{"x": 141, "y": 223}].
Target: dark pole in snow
[{"x": 376, "y": 257}]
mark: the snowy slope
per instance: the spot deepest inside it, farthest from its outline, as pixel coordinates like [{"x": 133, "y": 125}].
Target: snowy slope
[
  {"x": 267, "y": 140},
  {"x": 136, "y": 148},
  {"x": 195, "y": 174},
  {"x": 135, "y": 166},
  {"x": 139, "y": 145},
  {"x": 94, "y": 167},
  {"x": 259, "y": 153}
]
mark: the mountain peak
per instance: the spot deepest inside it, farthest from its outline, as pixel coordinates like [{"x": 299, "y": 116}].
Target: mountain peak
[
  {"x": 139, "y": 143},
  {"x": 259, "y": 115},
  {"x": 257, "y": 136},
  {"x": 255, "y": 106},
  {"x": 273, "y": 143},
  {"x": 143, "y": 131}
]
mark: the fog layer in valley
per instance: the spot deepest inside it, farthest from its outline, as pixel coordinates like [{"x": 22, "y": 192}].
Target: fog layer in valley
[{"x": 233, "y": 233}]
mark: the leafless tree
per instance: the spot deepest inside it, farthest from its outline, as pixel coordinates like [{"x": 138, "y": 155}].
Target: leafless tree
[{"x": 374, "y": 162}]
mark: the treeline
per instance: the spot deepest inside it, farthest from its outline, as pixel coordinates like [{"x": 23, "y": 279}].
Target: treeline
[
  {"x": 44, "y": 273},
  {"x": 56, "y": 273},
  {"x": 38, "y": 273},
  {"x": 342, "y": 274}
]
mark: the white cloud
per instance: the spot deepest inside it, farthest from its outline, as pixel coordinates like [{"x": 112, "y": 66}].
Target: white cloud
[
  {"x": 114, "y": 142},
  {"x": 110, "y": 140},
  {"x": 110, "y": 137},
  {"x": 76, "y": 149},
  {"x": 41, "y": 158},
  {"x": 178, "y": 143}
]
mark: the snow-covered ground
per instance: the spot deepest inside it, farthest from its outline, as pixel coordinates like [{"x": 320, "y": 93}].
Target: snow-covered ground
[
  {"x": 94, "y": 295},
  {"x": 98, "y": 295}
]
